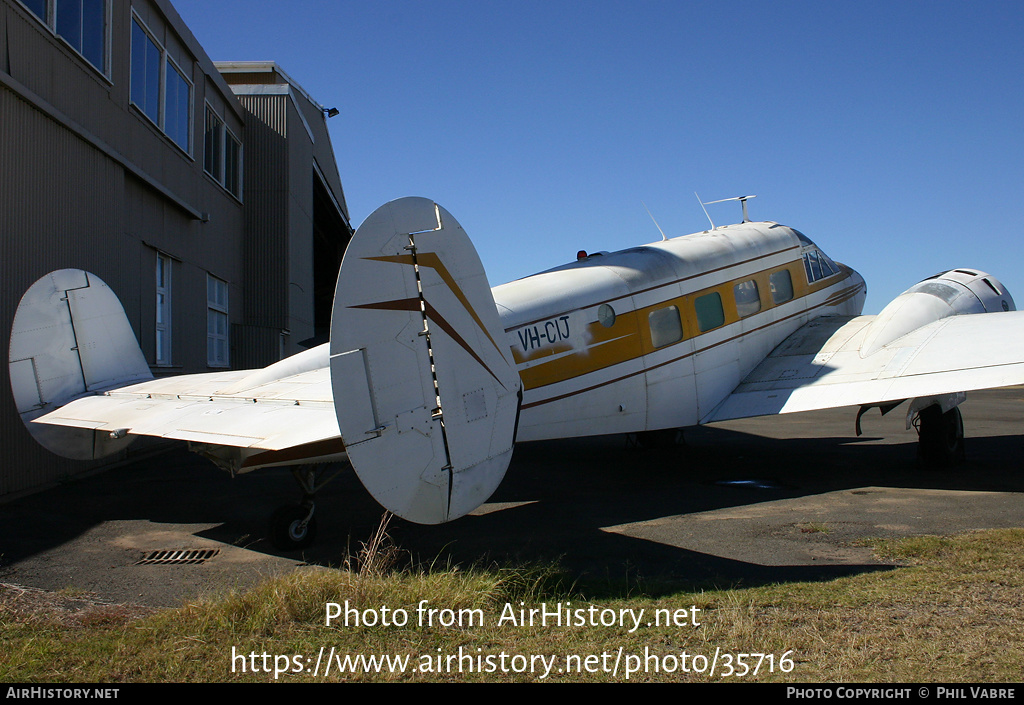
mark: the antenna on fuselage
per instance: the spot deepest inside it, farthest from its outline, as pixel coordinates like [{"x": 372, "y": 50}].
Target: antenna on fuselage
[
  {"x": 741, "y": 199},
  {"x": 705, "y": 210},
  {"x": 663, "y": 236}
]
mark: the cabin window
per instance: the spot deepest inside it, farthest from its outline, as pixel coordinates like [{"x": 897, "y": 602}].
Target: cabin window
[
  {"x": 781, "y": 285},
  {"x": 606, "y": 315},
  {"x": 748, "y": 299},
  {"x": 710, "y": 313},
  {"x": 666, "y": 327}
]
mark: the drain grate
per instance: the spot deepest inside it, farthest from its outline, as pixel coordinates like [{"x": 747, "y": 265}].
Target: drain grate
[{"x": 178, "y": 556}]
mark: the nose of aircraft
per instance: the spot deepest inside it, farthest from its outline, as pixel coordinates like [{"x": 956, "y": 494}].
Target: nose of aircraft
[{"x": 862, "y": 285}]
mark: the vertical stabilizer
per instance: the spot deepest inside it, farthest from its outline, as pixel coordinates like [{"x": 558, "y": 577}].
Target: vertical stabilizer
[
  {"x": 71, "y": 338},
  {"x": 424, "y": 387}
]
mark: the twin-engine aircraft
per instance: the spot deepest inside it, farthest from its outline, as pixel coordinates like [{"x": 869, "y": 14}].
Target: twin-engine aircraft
[{"x": 430, "y": 376}]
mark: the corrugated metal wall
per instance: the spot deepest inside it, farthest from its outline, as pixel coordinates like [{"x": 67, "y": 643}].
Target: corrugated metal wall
[
  {"x": 87, "y": 182},
  {"x": 58, "y": 198},
  {"x": 266, "y": 224}
]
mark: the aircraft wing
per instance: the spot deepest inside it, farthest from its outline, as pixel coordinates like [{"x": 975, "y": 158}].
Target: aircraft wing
[
  {"x": 822, "y": 366},
  {"x": 216, "y": 408}
]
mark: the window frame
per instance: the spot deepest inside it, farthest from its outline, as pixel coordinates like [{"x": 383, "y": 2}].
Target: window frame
[
  {"x": 171, "y": 65},
  {"x": 818, "y": 266},
  {"x": 50, "y": 16},
  {"x": 165, "y": 63},
  {"x": 163, "y": 318},
  {"x": 224, "y": 138},
  {"x": 217, "y": 311}
]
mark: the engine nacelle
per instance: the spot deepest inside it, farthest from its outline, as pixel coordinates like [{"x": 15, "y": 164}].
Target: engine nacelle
[{"x": 951, "y": 293}]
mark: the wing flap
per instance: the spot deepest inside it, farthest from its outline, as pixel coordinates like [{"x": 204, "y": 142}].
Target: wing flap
[{"x": 820, "y": 366}]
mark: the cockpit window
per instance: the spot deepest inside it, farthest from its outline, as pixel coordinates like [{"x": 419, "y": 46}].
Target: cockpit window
[
  {"x": 804, "y": 240},
  {"x": 817, "y": 265}
]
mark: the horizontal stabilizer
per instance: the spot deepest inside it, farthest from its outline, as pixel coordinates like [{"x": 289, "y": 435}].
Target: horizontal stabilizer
[{"x": 203, "y": 408}]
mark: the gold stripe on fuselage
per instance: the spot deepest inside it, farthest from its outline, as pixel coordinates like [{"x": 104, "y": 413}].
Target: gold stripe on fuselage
[{"x": 629, "y": 337}]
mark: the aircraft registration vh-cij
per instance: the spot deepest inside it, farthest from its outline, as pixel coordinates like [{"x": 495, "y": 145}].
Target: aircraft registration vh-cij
[{"x": 430, "y": 376}]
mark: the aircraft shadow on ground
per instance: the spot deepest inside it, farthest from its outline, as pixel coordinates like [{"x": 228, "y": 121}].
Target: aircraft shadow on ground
[{"x": 555, "y": 505}]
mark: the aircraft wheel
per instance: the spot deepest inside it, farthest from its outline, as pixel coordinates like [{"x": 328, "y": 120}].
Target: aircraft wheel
[
  {"x": 941, "y": 438},
  {"x": 664, "y": 438},
  {"x": 290, "y": 529}
]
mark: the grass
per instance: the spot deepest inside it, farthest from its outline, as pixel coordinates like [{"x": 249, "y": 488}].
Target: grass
[{"x": 951, "y": 611}]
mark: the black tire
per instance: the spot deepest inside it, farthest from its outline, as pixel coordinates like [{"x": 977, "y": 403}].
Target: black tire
[
  {"x": 941, "y": 441},
  {"x": 655, "y": 440},
  {"x": 287, "y": 531}
]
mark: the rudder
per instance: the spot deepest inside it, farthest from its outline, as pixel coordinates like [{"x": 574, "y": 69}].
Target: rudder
[
  {"x": 425, "y": 389},
  {"x": 70, "y": 337}
]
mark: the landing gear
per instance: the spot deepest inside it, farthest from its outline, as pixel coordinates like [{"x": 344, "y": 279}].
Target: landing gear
[
  {"x": 941, "y": 437},
  {"x": 652, "y": 440},
  {"x": 293, "y": 526}
]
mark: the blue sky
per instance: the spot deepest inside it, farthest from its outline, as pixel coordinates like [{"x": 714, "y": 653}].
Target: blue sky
[{"x": 891, "y": 133}]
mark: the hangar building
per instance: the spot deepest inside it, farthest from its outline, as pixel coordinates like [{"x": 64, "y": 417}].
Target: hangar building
[{"x": 206, "y": 196}]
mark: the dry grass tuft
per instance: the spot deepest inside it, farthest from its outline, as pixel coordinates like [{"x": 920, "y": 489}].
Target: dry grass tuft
[{"x": 946, "y": 614}]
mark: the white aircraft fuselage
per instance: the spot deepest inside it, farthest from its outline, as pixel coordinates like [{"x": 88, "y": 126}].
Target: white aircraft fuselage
[
  {"x": 648, "y": 338},
  {"x": 655, "y": 337}
]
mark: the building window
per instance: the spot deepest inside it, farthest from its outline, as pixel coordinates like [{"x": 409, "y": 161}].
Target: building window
[
  {"x": 216, "y": 321},
  {"x": 222, "y": 154},
  {"x": 163, "y": 309},
  {"x": 178, "y": 113},
  {"x": 38, "y": 8},
  {"x": 145, "y": 72},
  {"x": 213, "y": 148},
  {"x": 232, "y": 164},
  {"x": 170, "y": 109},
  {"x": 80, "y": 23}
]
